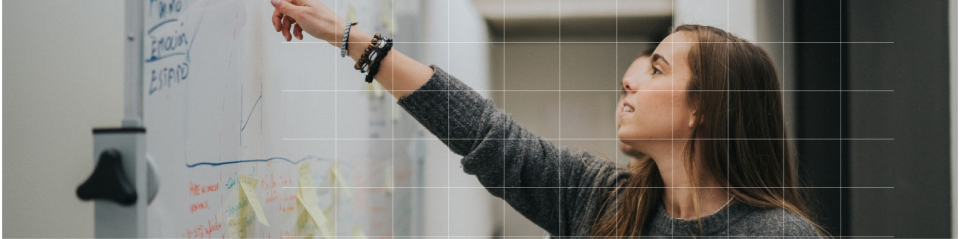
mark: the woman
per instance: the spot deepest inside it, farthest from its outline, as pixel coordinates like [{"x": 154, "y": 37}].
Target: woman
[{"x": 716, "y": 163}]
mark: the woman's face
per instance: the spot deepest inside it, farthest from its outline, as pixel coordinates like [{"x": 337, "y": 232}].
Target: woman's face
[
  {"x": 655, "y": 107},
  {"x": 640, "y": 68}
]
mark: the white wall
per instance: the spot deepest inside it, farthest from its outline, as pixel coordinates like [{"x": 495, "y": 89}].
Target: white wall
[
  {"x": 953, "y": 113},
  {"x": 465, "y": 208},
  {"x": 63, "y": 77},
  {"x": 736, "y": 16}
]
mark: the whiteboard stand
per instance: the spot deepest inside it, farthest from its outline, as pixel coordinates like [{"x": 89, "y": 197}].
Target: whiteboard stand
[{"x": 123, "y": 181}]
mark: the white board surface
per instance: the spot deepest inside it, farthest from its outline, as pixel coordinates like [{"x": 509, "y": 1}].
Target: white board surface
[{"x": 224, "y": 97}]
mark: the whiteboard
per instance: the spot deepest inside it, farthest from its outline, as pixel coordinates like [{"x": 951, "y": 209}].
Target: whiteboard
[{"x": 225, "y": 98}]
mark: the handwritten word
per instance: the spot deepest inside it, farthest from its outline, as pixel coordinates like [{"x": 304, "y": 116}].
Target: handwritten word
[
  {"x": 267, "y": 182},
  {"x": 286, "y": 180},
  {"x": 232, "y": 211},
  {"x": 197, "y": 206},
  {"x": 167, "y": 76},
  {"x": 197, "y": 189},
  {"x": 285, "y": 197},
  {"x": 287, "y": 208},
  {"x": 166, "y": 46},
  {"x": 231, "y": 181},
  {"x": 165, "y": 7},
  {"x": 201, "y": 231}
]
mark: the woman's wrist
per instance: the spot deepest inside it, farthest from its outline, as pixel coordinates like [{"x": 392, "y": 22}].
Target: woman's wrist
[
  {"x": 357, "y": 42},
  {"x": 337, "y": 36}
]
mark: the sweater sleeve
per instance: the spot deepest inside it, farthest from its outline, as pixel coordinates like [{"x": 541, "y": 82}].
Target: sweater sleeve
[{"x": 559, "y": 190}]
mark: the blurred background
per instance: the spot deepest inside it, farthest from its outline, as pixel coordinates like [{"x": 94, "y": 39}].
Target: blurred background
[{"x": 870, "y": 88}]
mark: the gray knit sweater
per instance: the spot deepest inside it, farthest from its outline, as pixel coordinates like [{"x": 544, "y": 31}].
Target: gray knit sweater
[{"x": 560, "y": 190}]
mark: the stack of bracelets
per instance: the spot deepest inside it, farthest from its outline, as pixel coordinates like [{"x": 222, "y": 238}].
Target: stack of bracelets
[{"x": 372, "y": 56}]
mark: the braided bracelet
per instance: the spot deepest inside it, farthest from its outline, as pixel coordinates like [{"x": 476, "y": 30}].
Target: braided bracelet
[{"x": 346, "y": 34}]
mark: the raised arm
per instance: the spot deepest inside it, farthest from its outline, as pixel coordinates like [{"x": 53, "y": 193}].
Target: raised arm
[
  {"x": 559, "y": 190},
  {"x": 293, "y": 17}
]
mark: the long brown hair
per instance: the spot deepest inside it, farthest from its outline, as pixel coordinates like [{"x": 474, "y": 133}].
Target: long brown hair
[{"x": 740, "y": 140}]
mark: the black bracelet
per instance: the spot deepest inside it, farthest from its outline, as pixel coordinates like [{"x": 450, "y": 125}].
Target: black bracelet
[{"x": 375, "y": 64}]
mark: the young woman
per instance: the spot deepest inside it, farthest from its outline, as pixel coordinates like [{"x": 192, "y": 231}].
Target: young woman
[{"x": 707, "y": 112}]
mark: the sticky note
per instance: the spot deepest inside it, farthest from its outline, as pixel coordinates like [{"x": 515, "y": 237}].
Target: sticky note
[
  {"x": 338, "y": 178},
  {"x": 247, "y": 190},
  {"x": 317, "y": 215},
  {"x": 235, "y": 228},
  {"x": 358, "y": 233},
  {"x": 351, "y": 13},
  {"x": 329, "y": 211},
  {"x": 395, "y": 111},
  {"x": 306, "y": 185},
  {"x": 375, "y": 89}
]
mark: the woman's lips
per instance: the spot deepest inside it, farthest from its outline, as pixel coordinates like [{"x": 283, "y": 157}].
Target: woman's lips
[{"x": 626, "y": 109}]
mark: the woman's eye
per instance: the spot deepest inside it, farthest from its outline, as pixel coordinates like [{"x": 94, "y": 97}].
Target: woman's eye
[{"x": 656, "y": 71}]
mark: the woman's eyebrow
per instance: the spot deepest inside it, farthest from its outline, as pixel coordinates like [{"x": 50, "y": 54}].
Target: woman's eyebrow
[{"x": 657, "y": 57}]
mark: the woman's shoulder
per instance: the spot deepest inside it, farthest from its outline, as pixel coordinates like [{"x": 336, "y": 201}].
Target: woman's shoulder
[{"x": 773, "y": 222}]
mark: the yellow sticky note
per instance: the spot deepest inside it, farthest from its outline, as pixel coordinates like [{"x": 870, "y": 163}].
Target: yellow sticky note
[
  {"x": 395, "y": 111},
  {"x": 358, "y": 233},
  {"x": 317, "y": 215},
  {"x": 351, "y": 13},
  {"x": 338, "y": 179},
  {"x": 386, "y": 17},
  {"x": 306, "y": 185},
  {"x": 235, "y": 228},
  {"x": 248, "y": 188},
  {"x": 376, "y": 90}
]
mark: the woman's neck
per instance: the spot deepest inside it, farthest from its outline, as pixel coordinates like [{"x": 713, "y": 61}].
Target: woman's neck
[{"x": 679, "y": 197}]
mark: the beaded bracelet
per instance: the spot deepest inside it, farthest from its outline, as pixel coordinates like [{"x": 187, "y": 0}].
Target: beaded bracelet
[
  {"x": 364, "y": 58},
  {"x": 346, "y": 34}
]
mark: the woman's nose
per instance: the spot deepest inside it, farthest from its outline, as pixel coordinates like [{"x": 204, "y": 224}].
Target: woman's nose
[{"x": 628, "y": 85}]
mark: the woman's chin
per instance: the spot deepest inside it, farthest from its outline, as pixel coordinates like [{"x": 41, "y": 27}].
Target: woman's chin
[{"x": 624, "y": 134}]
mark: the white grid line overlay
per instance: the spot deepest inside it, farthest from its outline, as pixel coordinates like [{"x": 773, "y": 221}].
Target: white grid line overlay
[
  {"x": 448, "y": 121},
  {"x": 840, "y": 3},
  {"x": 503, "y": 96},
  {"x": 559, "y": 114},
  {"x": 588, "y": 139},
  {"x": 600, "y": 42},
  {"x": 560, "y": 138},
  {"x": 783, "y": 107}
]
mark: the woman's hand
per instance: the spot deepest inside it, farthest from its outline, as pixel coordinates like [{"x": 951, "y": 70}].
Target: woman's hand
[
  {"x": 398, "y": 73},
  {"x": 293, "y": 17}
]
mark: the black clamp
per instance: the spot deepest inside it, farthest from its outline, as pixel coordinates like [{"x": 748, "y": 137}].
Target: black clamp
[{"x": 109, "y": 181}]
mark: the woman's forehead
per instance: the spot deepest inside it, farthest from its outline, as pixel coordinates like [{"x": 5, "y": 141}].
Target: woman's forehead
[
  {"x": 673, "y": 46},
  {"x": 640, "y": 63}
]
